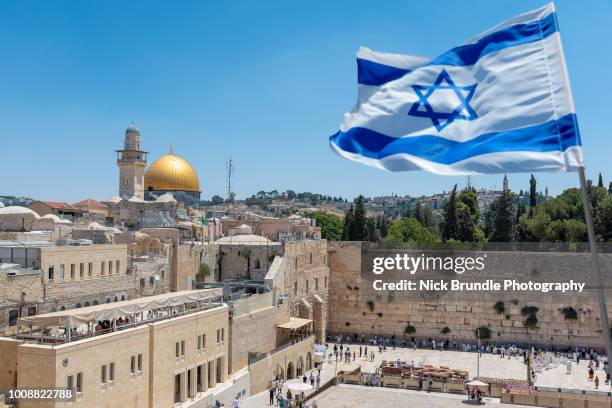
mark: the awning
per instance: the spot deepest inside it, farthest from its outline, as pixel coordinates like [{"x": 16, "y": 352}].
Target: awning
[
  {"x": 294, "y": 323},
  {"x": 110, "y": 311}
]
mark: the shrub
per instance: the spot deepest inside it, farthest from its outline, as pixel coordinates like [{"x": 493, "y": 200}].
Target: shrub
[
  {"x": 499, "y": 307},
  {"x": 484, "y": 332},
  {"x": 410, "y": 329},
  {"x": 569, "y": 313},
  {"x": 531, "y": 321},
  {"x": 529, "y": 310},
  {"x": 445, "y": 330},
  {"x": 370, "y": 305}
]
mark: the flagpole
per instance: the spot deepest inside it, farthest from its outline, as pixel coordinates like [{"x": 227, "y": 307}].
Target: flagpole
[{"x": 603, "y": 312}]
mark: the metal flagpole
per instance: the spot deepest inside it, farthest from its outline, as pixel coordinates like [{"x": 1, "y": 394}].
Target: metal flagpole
[{"x": 603, "y": 312}]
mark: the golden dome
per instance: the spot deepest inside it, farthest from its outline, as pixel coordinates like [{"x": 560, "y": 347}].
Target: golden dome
[{"x": 171, "y": 173}]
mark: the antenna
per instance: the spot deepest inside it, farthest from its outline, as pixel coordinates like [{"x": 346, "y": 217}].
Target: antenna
[{"x": 230, "y": 172}]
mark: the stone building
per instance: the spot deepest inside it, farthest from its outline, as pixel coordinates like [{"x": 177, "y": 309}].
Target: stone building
[
  {"x": 131, "y": 161},
  {"x": 46, "y": 277},
  {"x": 60, "y": 209},
  {"x": 171, "y": 174},
  {"x": 170, "y": 349}
]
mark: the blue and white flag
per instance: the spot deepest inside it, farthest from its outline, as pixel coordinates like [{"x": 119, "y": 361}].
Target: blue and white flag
[{"x": 501, "y": 102}]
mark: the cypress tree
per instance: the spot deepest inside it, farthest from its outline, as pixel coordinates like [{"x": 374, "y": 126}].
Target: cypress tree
[
  {"x": 504, "y": 218},
  {"x": 451, "y": 218},
  {"x": 348, "y": 224},
  {"x": 359, "y": 231},
  {"x": 600, "y": 181},
  {"x": 532, "y": 193}
]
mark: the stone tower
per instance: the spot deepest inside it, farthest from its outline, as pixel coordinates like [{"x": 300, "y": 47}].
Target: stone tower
[
  {"x": 505, "y": 182},
  {"x": 131, "y": 162}
]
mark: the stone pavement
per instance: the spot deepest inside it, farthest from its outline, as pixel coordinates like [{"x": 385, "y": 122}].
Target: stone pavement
[
  {"x": 490, "y": 366},
  {"x": 353, "y": 396}
]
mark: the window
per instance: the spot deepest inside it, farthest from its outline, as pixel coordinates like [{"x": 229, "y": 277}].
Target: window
[
  {"x": 140, "y": 362},
  {"x": 32, "y": 311},
  {"x": 133, "y": 364},
  {"x": 110, "y": 267},
  {"x": 218, "y": 336},
  {"x": 79, "y": 382},
  {"x": 72, "y": 269},
  {"x": 90, "y": 269},
  {"x": 177, "y": 351},
  {"x": 142, "y": 282},
  {"x": 13, "y": 315},
  {"x": 306, "y": 285},
  {"x": 162, "y": 274},
  {"x": 182, "y": 347},
  {"x": 295, "y": 288},
  {"x": 223, "y": 334},
  {"x": 326, "y": 282},
  {"x": 62, "y": 268},
  {"x": 199, "y": 342},
  {"x": 82, "y": 270},
  {"x": 316, "y": 283},
  {"x": 102, "y": 265},
  {"x": 51, "y": 273},
  {"x": 204, "y": 341},
  {"x": 111, "y": 372},
  {"x": 117, "y": 265},
  {"x": 103, "y": 374},
  {"x": 69, "y": 382},
  {"x": 311, "y": 257}
]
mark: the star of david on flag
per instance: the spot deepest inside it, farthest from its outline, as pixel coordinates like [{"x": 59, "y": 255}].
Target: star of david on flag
[
  {"x": 462, "y": 110},
  {"x": 498, "y": 103}
]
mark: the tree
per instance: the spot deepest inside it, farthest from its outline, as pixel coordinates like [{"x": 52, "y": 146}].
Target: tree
[
  {"x": 603, "y": 219},
  {"x": 469, "y": 198},
  {"x": 532, "y": 193},
  {"x": 466, "y": 225},
  {"x": 610, "y": 188},
  {"x": 331, "y": 225},
  {"x": 600, "y": 181},
  {"x": 348, "y": 223},
  {"x": 216, "y": 200},
  {"x": 451, "y": 218},
  {"x": 291, "y": 195},
  {"x": 489, "y": 221},
  {"x": 423, "y": 214},
  {"x": 358, "y": 228},
  {"x": 409, "y": 230},
  {"x": 504, "y": 218}
]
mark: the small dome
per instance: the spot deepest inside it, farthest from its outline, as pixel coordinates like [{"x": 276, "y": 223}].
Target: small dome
[
  {"x": 171, "y": 173},
  {"x": 135, "y": 199},
  {"x": 166, "y": 198},
  {"x": 132, "y": 129},
  {"x": 15, "y": 209},
  {"x": 244, "y": 239},
  {"x": 53, "y": 217},
  {"x": 115, "y": 199}
]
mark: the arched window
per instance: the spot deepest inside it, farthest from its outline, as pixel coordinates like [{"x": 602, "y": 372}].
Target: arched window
[
  {"x": 257, "y": 264},
  {"x": 108, "y": 300},
  {"x": 63, "y": 308},
  {"x": 115, "y": 299},
  {"x": 86, "y": 304},
  {"x": 122, "y": 297},
  {"x": 95, "y": 302},
  {"x": 78, "y": 305}
]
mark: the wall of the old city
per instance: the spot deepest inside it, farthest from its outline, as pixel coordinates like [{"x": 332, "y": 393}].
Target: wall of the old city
[{"x": 359, "y": 309}]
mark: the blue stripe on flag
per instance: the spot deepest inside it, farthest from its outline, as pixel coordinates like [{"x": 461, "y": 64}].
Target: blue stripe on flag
[
  {"x": 556, "y": 135},
  {"x": 373, "y": 73}
]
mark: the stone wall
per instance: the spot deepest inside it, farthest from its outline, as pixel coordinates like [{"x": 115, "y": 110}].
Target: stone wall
[
  {"x": 359, "y": 309},
  {"x": 255, "y": 333},
  {"x": 246, "y": 261}
]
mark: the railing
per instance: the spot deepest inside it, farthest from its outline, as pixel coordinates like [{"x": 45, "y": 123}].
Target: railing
[{"x": 262, "y": 356}]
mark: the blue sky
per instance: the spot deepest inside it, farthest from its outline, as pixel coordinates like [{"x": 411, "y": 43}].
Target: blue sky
[{"x": 266, "y": 82}]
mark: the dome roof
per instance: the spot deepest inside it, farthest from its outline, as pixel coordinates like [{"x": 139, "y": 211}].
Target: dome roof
[
  {"x": 53, "y": 217},
  {"x": 15, "y": 209},
  {"x": 165, "y": 198},
  {"x": 171, "y": 173},
  {"x": 132, "y": 129}
]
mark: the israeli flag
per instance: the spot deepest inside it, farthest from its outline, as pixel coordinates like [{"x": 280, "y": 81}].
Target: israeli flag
[{"x": 499, "y": 103}]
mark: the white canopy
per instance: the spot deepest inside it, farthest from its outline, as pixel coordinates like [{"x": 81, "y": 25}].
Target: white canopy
[
  {"x": 299, "y": 386},
  {"x": 477, "y": 383},
  {"x": 110, "y": 311}
]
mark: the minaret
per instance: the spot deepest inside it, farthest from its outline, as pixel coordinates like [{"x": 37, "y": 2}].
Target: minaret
[
  {"x": 505, "y": 182},
  {"x": 131, "y": 162},
  {"x": 546, "y": 193}
]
